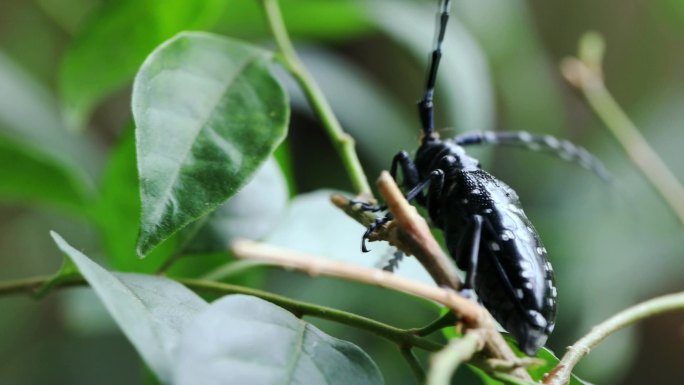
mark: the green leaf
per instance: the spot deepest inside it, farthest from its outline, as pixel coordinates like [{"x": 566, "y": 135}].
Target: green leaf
[
  {"x": 245, "y": 340},
  {"x": 208, "y": 114},
  {"x": 25, "y": 173},
  {"x": 252, "y": 213},
  {"x": 152, "y": 311},
  {"x": 106, "y": 54},
  {"x": 38, "y": 147},
  {"x": 536, "y": 372}
]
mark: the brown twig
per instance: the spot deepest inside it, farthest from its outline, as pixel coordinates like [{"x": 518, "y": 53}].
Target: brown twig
[{"x": 316, "y": 266}]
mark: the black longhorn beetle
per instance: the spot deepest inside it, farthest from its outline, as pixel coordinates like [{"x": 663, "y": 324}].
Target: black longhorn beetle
[{"x": 485, "y": 228}]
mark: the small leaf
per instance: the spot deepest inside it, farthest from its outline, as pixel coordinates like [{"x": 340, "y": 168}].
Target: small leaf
[
  {"x": 152, "y": 311},
  {"x": 246, "y": 340},
  {"x": 252, "y": 213},
  {"x": 208, "y": 114},
  {"x": 537, "y": 372},
  {"x": 105, "y": 55}
]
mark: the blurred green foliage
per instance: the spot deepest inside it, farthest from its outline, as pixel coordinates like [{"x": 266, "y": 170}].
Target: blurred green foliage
[{"x": 68, "y": 65}]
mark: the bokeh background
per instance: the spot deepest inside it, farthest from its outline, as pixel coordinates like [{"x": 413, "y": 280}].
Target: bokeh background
[{"x": 611, "y": 247}]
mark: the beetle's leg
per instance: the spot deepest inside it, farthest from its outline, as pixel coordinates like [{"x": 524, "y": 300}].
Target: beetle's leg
[
  {"x": 471, "y": 250},
  {"x": 409, "y": 171},
  {"x": 365, "y": 206},
  {"x": 436, "y": 196},
  {"x": 435, "y": 183},
  {"x": 378, "y": 222}
]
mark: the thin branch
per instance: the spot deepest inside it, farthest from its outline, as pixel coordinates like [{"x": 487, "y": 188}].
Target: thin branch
[
  {"x": 561, "y": 373},
  {"x": 585, "y": 73},
  {"x": 399, "y": 336},
  {"x": 445, "y": 362},
  {"x": 469, "y": 311},
  {"x": 344, "y": 144}
]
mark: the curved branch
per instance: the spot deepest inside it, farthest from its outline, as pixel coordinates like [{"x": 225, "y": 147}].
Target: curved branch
[
  {"x": 399, "y": 336},
  {"x": 561, "y": 373},
  {"x": 344, "y": 144},
  {"x": 585, "y": 73}
]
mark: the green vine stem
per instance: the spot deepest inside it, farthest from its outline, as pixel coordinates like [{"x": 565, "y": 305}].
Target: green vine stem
[
  {"x": 403, "y": 338},
  {"x": 561, "y": 373},
  {"x": 344, "y": 144},
  {"x": 413, "y": 363},
  {"x": 585, "y": 73}
]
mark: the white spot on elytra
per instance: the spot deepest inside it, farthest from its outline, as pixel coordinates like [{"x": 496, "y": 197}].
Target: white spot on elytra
[
  {"x": 540, "y": 250},
  {"x": 519, "y": 293},
  {"x": 494, "y": 246},
  {"x": 488, "y": 211},
  {"x": 476, "y": 192},
  {"x": 507, "y": 235},
  {"x": 554, "y": 292}
]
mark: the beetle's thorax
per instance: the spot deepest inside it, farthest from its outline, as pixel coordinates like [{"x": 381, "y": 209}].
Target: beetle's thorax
[{"x": 432, "y": 150}]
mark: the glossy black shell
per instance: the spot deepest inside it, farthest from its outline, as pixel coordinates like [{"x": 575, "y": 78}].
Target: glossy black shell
[{"x": 514, "y": 279}]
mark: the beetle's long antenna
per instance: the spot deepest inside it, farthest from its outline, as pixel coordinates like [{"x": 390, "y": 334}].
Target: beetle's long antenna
[
  {"x": 425, "y": 106},
  {"x": 562, "y": 148}
]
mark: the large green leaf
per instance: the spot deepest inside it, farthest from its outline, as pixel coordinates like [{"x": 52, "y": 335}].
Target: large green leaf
[
  {"x": 106, "y": 53},
  {"x": 152, "y": 311},
  {"x": 245, "y": 340},
  {"x": 208, "y": 114}
]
